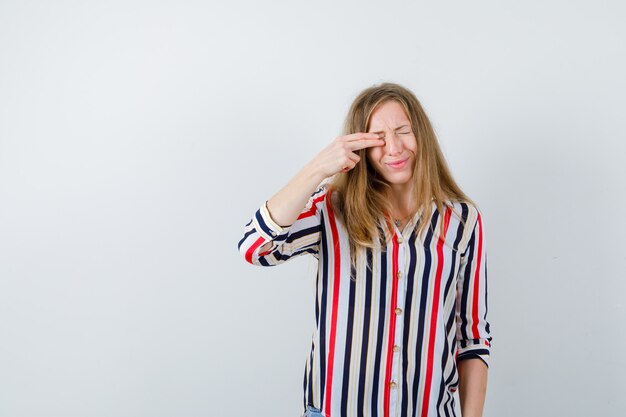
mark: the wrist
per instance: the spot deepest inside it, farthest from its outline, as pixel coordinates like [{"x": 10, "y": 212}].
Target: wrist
[{"x": 314, "y": 173}]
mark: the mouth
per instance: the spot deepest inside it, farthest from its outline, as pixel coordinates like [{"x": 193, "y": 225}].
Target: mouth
[{"x": 398, "y": 164}]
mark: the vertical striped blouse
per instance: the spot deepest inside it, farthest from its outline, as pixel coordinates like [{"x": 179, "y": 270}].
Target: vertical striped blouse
[{"x": 390, "y": 331}]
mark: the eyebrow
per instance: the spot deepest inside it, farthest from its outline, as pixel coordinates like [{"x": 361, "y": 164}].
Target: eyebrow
[{"x": 397, "y": 128}]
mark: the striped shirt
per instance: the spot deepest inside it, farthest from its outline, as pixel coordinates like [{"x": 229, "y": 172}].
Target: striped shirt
[{"x": 390, "y": 330}]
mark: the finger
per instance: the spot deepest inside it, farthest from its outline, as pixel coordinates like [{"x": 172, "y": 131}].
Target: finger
[
  {"x": 349, "y": 161},
  {"x": 362, "y": 135},
  {"x": 349, "y": 165},
  {"x": 364, "y": 143},
  {"x": 354, "y": 157}
]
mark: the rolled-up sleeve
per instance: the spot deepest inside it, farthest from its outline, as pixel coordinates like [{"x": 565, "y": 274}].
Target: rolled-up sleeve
[
  {"x": 473, "y": 332},
  {"x": 287, "y": 242}
]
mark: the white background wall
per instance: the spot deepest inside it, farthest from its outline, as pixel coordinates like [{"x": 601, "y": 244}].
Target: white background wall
[{"x": 137, "y": 138}]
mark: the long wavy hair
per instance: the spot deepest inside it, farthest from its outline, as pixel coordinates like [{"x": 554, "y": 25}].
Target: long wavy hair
[{"x": 363, "y": 194}]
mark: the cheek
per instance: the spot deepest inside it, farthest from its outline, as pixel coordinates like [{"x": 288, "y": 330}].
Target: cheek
[{"x": 411, "y": 143}]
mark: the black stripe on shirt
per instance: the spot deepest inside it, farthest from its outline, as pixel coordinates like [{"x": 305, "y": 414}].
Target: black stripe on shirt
[
  {"x": 348, "y": 350},
  {"x": 423, "y": 304},
  {"x": 380, "y": 338},
  {"x": 367, "y": 313},
  {"x": 323, "y": 309}
]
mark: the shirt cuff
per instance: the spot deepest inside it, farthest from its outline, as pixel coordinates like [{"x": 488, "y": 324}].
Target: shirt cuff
[
  {"x": 475, "y": 348},
  {"x": 267, "y": 227},
  {"x": 472, "y": 355}
]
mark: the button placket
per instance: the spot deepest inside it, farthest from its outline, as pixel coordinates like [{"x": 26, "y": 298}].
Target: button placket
[{"x": 398, "y": 333}]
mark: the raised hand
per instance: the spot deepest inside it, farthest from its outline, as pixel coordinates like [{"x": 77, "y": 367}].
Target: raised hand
[{"x": 340, "y": 155}]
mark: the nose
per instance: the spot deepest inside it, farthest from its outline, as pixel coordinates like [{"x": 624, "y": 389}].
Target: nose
[{"x": 393, "y": 143}]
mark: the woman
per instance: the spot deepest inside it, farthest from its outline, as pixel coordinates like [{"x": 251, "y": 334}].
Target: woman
[{"x": 401, "y": 291}]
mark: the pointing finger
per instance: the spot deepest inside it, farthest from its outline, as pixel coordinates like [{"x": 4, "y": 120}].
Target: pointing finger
[
  {"x": 363, "y": 135},
  {"x": 365, "y": 143}
]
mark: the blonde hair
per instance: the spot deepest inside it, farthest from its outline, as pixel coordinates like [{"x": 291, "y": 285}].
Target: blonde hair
[{"x": 362, "y": 192}]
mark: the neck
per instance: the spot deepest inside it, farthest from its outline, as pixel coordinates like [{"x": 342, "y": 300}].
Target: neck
[{"x": 402, "y": 200}]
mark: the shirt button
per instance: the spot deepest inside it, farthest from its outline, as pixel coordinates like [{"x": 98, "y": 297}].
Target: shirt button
[
  {"x": 396, "y": 348},
  {"x": 399, "y": 239},
  {"x": 399, "y": 274},
  {"x": 398, "y": 311},
  {"x": 392, "y": 384}
]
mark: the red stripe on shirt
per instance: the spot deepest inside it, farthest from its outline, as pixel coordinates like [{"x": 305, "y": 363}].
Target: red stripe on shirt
[
  {"x": 433, "y": 317},
  {"x": 313, "y": 208},
  {"x": 392, "y": 322},
  {"x": 475, "y": 333},
  {"x": 333, "y": 324},
  {"x": 252, "y": 248}
]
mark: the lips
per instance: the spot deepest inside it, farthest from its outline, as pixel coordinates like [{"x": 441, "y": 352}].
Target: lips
[{"x": 397, "y": 164}]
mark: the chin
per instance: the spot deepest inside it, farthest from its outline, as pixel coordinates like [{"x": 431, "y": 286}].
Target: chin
[{"x": 398, "y": 179}]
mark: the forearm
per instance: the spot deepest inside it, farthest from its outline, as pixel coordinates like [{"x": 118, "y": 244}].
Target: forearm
[
  {"x": 285, "y": 206},
  {"x": 472, "y": 386}
]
